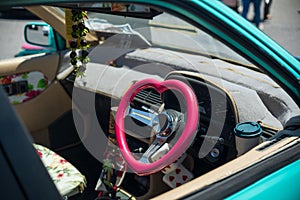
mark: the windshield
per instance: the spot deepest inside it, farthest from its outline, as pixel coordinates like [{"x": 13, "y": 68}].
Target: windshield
[{"x": 166, "y": 31}]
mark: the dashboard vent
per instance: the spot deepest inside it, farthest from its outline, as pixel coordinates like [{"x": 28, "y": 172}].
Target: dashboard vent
[{"x": 148, "y": 97}]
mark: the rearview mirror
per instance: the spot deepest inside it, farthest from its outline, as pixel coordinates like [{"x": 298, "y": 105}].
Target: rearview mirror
[
  {"x": 39, "y": 34},
  {"x": 122, "y": 9}
]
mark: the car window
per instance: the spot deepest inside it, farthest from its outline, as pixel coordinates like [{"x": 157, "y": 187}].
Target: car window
[{"x": 167, "y": 31}]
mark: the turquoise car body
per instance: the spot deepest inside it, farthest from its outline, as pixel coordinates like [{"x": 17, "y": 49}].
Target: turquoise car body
[{"x": 282, "y": 184}]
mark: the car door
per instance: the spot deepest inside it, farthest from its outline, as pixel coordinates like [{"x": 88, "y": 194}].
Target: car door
[{"x": 31, "y": 85}]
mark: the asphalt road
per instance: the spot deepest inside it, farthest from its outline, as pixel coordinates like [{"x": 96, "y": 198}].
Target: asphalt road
[
  {"x": 11, "y": 39},
  {"x": 284, "y": 27}
]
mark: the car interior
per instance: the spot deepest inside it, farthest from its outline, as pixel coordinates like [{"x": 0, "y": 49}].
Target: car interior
[{"x": 75, "y": 119}]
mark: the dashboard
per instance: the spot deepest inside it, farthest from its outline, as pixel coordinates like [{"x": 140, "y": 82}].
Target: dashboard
[{"x": 214, "y": 143}]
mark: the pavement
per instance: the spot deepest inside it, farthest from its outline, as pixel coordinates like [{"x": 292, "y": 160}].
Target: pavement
[
  {"x": 12, "y": 38},
  {"x": 284, "y": 27}
]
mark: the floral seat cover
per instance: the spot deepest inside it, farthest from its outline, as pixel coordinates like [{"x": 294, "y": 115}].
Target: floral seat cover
[{"x": 68, "y": 180}]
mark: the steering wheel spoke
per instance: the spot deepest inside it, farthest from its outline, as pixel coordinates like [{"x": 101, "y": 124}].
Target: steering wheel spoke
[
  {"x": 164, "y": 124},
  {"x": 142, "y": 116},
  {"x": 153, "y": 148}
]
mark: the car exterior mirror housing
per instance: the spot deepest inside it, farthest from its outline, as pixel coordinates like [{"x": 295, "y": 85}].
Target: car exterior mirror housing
[{"x": 39, "y": 34}]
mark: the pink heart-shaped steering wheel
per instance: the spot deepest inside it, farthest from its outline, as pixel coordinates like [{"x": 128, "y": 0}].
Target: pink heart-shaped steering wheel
[{"x": 184, "y": 140}]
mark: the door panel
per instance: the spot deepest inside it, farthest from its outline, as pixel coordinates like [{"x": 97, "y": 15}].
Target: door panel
[
  {"x": 39, "y": 98},
  {"x": 40, "y": 112},
  {"x": 25, "y": 86},
  {"x": 47, "y": 64}
]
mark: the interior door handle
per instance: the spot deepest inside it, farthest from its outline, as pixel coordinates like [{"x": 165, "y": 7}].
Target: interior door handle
[{"x": 17, "y": 87}]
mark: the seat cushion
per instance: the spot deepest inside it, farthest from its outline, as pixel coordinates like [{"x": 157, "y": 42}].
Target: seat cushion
[{"x": 68, "y": 180}]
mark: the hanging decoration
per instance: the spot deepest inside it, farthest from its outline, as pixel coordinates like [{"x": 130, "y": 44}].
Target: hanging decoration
[
  {"x": 113, "y": 169},
  {"x": 76, "y": 33}
]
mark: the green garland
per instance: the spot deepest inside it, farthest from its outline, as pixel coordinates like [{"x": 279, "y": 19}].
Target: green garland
[{"x": 79, "y": 31}]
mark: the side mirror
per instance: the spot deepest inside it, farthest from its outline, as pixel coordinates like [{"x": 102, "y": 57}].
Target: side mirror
[{"x": 39, "y": 34}]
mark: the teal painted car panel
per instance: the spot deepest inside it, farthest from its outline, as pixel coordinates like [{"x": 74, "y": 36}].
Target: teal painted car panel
[{"x": 282, "y": 184}]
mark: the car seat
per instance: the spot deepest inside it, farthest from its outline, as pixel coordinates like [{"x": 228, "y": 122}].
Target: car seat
[{"x": 67, "y": 179}]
